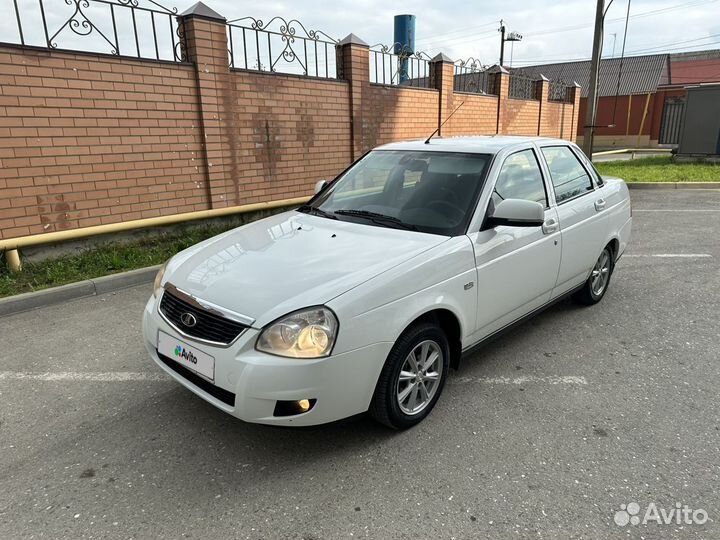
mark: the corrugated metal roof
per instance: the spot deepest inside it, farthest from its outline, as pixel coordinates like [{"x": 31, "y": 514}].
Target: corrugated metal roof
[{"x": 640, "y": 74}]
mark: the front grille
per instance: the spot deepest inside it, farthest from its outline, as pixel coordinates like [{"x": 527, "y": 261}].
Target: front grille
[
  {"x": 209, "y": 326},
  {"x": 215, "y": 391}
]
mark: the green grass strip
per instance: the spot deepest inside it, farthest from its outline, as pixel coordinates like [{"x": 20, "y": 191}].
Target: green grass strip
[
  {"x": 660, "y": 169},
  {"x": 102, "y": 260}
]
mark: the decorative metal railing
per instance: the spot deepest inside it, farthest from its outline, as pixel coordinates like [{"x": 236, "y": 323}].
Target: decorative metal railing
[
  {"x": 395, "y": 65},
  {"x": 117, "y": 27},
  {"x": 472, "y": 77},
  {"x": 559, "y": 91},
  {"x": 281, "y": 46},
  {"x": 523, "y": 86}
]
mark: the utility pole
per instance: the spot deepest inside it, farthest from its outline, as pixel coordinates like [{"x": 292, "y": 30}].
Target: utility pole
[
  {"x": 512, "y": 36},
  {"x": 502, "y": 41},
  {"x": 591, "y": 109}
]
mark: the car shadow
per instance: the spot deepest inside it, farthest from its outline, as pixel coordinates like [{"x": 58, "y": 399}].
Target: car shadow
[
  {"x": 517, "y": 335},
  {"x": 351, "y": 433}
]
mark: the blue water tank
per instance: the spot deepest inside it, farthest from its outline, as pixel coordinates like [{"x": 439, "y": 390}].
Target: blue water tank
[{"x": 404, "y": 41}]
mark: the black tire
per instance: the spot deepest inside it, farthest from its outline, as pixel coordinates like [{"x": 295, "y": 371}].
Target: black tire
[
  {"x": 385, "y": 407},
  {"x": 588, "y": 295}
]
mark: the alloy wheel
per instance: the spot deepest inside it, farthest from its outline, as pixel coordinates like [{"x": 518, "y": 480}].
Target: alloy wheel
[
  {"x": 419, "y": 377},
  {"x": 600, "y": 274}
]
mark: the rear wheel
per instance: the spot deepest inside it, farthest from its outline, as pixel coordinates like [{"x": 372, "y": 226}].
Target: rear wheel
[
  {"x": 599, "y": 280},
  {"x": 413, "y": 377}
]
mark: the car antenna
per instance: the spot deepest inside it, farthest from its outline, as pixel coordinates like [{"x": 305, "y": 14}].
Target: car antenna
[{"x": 427, "y": 141}]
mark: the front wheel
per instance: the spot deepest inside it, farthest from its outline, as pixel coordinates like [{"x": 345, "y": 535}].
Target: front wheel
[
  {"x": 599, "y": 280},
  {"x": 413, "y": 377}
]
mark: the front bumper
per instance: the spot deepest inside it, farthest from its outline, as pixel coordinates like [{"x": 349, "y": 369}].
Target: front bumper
[{"x": 342, "y": 384}]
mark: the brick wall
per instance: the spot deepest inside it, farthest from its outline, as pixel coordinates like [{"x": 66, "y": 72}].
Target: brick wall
[
  {"x": 91, "y": 139},
  {"x": 398, "y": 113},
  {"x": 477, "y": 115},
  {"x": 521, "y": 117},
  {"x": 87, "y": 140},
  {"x": 558, "y": 120},
  {"x": 291, "y": 132}
]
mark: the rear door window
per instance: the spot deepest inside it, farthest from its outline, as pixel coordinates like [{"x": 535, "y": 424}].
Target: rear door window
[{"x": 569, "y": 177}]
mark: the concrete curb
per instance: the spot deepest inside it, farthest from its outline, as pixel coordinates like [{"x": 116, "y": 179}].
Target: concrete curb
[
  {"x": 72, "y": 291},
  {"x": 673, "y": 185}
]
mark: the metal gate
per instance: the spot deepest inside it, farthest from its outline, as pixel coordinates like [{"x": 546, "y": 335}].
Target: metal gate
[{"x": 673, "y": 112}]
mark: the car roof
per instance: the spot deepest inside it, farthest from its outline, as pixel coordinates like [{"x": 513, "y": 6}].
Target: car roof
[{"x": 490, "y": 144}]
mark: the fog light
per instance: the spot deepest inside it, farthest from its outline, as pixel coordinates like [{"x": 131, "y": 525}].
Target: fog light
[
  {"x": 291, "y": 408},
  {"x": 304, "y": 405}
]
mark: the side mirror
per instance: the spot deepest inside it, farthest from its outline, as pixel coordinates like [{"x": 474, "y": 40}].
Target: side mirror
[
  {"x": 517, "y": 213},
  {"x": 320, "y": 185}
]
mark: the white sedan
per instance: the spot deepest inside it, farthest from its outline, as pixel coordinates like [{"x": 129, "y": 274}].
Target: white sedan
[{"x": 362, "y": 299}]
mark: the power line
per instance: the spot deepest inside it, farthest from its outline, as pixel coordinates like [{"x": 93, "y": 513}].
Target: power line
[
  {"x": 650, "y": 13},
  {"x": 678, "y": 43},
  {"x": 660, "y": 49},
  {"x": 637, "y": 15},
  {"x": 489, "y": 34},
  {"x": 473, "y": 28}
]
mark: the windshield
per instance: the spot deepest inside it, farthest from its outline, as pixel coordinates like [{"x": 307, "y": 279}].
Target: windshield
[{"x": 433, "y": 192}]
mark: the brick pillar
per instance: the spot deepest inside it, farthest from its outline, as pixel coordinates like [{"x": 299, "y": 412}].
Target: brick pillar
[
  {"x": 542, "y": 91},
  {"x": 501, "y": 86},
  {"x": 442, "y": 73},
  {"x": 206, "y": 47},
  {"x": 573, "y": 96},
  {"x": 353, "y": 65}
]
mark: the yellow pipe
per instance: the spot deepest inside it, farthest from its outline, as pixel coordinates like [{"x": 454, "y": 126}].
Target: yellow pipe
[
  {"x": 627, "y": 150},
  {"x": 610, "y": 152},
  {"x": 13, "y": 260},
  {"x": 12, "y": 244}
]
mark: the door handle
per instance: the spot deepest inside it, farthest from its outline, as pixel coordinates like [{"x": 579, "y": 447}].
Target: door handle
[
  {"x": 550, "y": 226},
  {"x": 600, "y": 204}
]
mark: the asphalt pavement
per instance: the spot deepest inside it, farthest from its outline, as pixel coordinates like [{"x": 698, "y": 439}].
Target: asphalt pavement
[{"x": 545, "y": 433}]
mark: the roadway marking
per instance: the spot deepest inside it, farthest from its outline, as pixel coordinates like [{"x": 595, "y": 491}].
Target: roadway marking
[
  {"x": 120, "y": 376},
  {"x": 677, "y": 210},
  {"x": 671, "y": 255},
  {"x": 111, "y": 376},
  {"x": 525, "y": 379}
]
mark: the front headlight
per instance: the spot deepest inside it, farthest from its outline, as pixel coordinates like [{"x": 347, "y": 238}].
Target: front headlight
[
  {"x": 157, "y": 285},
  {"x": 308, "y": 333}
]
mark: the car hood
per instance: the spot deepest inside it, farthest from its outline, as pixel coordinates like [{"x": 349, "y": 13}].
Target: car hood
[{"x": 290, "y": 261}]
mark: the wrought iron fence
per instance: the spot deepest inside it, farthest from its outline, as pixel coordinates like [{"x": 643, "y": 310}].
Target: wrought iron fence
[
  {"x": 118, "y": 27},
  {"x": 396, "y": 65},
  {"x": 523, "y": 86},
  {"x": 282, "y": 46},
  {"x": 472, "y": 77},
  {"x": 559, "y": 91}
]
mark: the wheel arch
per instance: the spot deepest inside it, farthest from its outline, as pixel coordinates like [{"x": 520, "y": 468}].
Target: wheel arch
[
  {"x": 449, "y": 322},
  {"x": 614, "y": 245}
]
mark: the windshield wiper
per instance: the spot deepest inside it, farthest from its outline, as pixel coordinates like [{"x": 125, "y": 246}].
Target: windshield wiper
[
  {"x": 378, "y": 218},
  {"x": 307, "y": 209}
]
